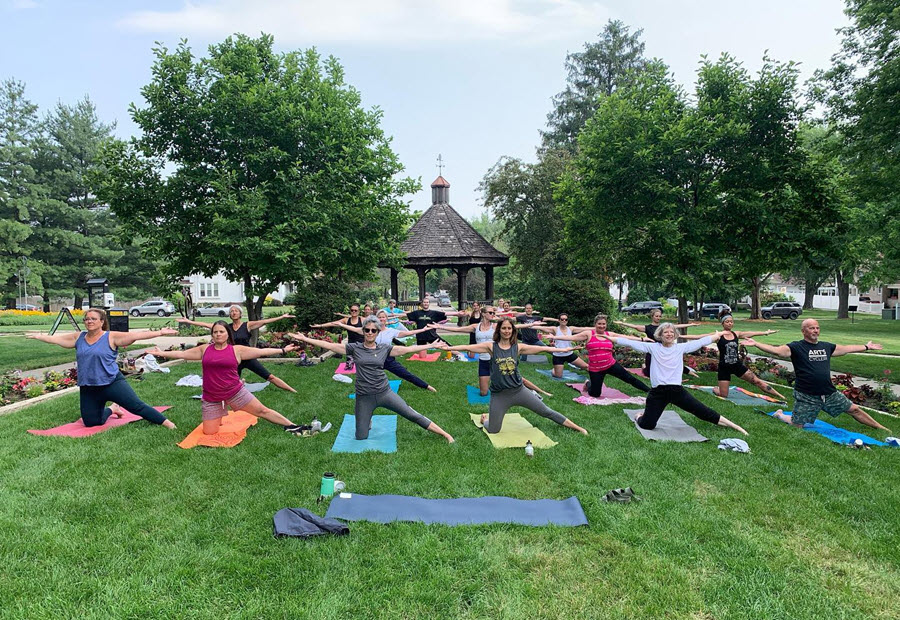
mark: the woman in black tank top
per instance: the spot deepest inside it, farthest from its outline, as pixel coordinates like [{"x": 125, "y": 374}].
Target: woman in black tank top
[{"x": 240, "y": 332}]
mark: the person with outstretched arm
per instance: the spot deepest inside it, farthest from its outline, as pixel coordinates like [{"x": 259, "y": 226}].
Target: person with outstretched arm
[
  {"x": 650, "y": 329},
  {"x": 813, "y": 390},
  {"x": 665, "y": 377}
]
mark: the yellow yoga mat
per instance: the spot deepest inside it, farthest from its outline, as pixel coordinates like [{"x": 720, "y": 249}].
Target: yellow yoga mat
[{"x": 515, "y": 432}]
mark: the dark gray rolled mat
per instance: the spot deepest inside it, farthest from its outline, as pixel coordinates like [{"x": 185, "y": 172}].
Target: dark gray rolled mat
[{"x": 457, "y": 511}]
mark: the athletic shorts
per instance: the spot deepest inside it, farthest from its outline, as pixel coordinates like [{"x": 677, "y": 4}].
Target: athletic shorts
[
  {"x": 559, "y": 360},
  {"x": 219, "y": 409},
  {"x": 808, "y": 406},
  {"x": 726, "y": 370},
  {"x": 484, "y": 368}
]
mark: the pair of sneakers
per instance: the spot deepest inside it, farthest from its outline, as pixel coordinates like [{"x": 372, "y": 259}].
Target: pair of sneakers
[{"x": 621, "y": 496}]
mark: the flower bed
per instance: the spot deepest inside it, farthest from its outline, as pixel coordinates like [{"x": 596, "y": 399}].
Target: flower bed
[
  {"x": 14, "y": 387},
  {"x": 882, "y": 397}
]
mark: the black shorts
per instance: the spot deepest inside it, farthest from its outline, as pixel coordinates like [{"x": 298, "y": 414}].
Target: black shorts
[
  {"x": 559, "y": 361},
  {"x": 484, "y": 368},
  {"x": 726, "y": 370}
]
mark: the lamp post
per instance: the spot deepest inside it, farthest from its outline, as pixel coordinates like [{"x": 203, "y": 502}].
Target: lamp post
[{"x": 25, "y": 281}]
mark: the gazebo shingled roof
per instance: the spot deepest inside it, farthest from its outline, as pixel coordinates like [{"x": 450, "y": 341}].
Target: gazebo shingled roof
[{"x": 442, "y": 238}]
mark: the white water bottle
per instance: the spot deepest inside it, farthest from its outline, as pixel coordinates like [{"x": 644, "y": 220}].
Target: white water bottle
[{"x": 529, "y": 449}]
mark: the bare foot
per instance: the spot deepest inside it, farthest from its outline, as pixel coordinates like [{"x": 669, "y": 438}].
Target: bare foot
[
  {"x": 169, "y": 424},
  {"x": 430, "y": 388},
  {"x": 116, "y": 410},
  {"x": 484, "y": 418},
  {"x": 780, "y": 415}
]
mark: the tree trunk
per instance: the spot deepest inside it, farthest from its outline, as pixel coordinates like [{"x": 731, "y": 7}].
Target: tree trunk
[
  {"x": 78, "y": 301},
  {"x": 843, "y": 291},
  {"x": 46, "y": 301},
  {"x": 682, "y": 309},
  {"x": 811, "y": 283},
  {"x": 754, "y": 297}
]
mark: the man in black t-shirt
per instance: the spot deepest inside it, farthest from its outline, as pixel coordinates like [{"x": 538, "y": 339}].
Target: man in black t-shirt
[
  {"x": 813, "y": 390},
  {"x": 424, "y": 317}
]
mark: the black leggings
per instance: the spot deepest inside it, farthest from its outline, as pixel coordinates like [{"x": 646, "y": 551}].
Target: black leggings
[
  {"x": 94, "y": 411},
  {"x": 618, "y": 371},
  {"x": 396, "y": 368},
  {"x": 663, "y": 395},
  {"x": 254, "y": 366}
]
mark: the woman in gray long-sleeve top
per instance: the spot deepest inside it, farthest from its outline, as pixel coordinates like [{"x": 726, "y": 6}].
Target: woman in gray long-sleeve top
[
  {"x": 506, "y": 386},
  {"x": 372, "y": 388}
]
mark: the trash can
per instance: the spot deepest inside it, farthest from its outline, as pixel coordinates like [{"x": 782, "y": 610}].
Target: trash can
[
  {"x": 118, "y": 319},
  {"x": 887, "y": 314}
]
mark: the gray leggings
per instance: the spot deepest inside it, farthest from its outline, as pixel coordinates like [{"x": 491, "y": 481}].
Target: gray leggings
[
  {"x": 517, "y": 397},
  {"x": 366, "y": 404}
]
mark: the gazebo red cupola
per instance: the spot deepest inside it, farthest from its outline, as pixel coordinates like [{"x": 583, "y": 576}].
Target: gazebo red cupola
[{"x": 443, "y": 239}]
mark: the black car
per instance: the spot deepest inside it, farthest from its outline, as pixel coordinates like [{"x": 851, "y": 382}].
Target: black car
[
  {"x": 711, "y": 311},
  {"x": 642, "y": 307},
  {"x": 784, "y": 309}
]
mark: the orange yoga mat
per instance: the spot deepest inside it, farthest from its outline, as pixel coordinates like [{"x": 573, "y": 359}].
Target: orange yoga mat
[{"x": 231, "y": 433}]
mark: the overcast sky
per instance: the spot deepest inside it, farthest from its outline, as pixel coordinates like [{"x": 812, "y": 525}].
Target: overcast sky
[{"x": 469, "y": 79}]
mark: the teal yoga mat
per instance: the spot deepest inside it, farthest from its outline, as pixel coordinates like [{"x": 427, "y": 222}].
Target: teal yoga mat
[
  {"x": 837, "y": 434},
  {"x": 475, "y": 397},
  {"x": 568, "y": 375},
  {"x": 395, "y": 385},
  {"x": 382, "y": 437}
]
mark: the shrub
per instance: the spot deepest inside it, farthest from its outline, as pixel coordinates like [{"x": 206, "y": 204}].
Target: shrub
[
  {"x": 581, "y": 299},
  {"x": 770, "y": 297}
]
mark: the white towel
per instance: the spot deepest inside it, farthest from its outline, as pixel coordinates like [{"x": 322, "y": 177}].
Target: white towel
[
  {"x": 190, "y": 381},
  {"x": 735, "y": 445}
]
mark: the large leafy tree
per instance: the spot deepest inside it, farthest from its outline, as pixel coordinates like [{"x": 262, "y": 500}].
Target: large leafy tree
[{"x": 260, "y": 165}]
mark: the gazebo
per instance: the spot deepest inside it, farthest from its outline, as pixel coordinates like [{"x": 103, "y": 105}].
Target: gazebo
[{"x": 443, "y": 239}]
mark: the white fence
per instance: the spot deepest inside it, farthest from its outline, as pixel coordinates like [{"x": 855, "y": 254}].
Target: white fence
[{"x": 830, "y": 302}]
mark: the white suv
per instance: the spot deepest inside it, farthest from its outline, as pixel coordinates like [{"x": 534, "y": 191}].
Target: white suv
[{"x": 157, "y": 307}]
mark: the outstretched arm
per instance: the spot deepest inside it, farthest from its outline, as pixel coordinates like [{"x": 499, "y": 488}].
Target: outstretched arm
[
  {"x": 121, "y": 339},
  {"x": 640, "y": 328},
  {"x": 413, "y": 332},
  {"x": 251, "y": 325},
  {"x": 637, "y": 345},
  {"x": 686, "y": 325},
  {"x": 844, "y": 349},
  {"x": 529, "y": 349},
  {"x": 349, "y": 328},
  {"x": 768, "y": 332},
  {"x": 780, "y": 351},
  {"x": 450, "y": 328},
  {"x": 419, "y": 347},
  {"x": 184, "y": 321},
  {"x": 335, "y": 347},
  {"x": 66, "y": 341},
  {"x": 481, "y": 347},
  {"x": 574, "y": 337},
  {"x": 194, "y": 354},
  {"x": 252, "y": 353}
]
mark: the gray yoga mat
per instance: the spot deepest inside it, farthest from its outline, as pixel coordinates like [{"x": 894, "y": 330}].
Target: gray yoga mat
[
  {"x": 670, "y": 427},
  {"x": 458, "y": 511}
]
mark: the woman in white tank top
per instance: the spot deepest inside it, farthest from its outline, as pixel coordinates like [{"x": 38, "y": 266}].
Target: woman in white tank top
[{"x": 560, "y": 359}]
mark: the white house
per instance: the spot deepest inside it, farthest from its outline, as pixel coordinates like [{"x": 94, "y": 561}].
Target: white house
[{"x": 220, "y": 290}]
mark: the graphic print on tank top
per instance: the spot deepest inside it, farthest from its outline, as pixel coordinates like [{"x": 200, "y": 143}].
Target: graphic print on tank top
[{"x": 730, "y": 351}]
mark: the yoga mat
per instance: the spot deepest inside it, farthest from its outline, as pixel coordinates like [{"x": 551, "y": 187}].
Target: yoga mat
[
  {"x": 515, "y": 432},
  {"x": 457, "y": 511},
  {"x": 567, "y": 375},
  {"x": 231, "y": 432},
  {"x": 739, "y": 396},
  {"x": 475, "y": 397},
  {"x": 837, "y": 434},
  {"x": 382, "y": 437},
  {"x": 534, "y": 359},
  {"x": 251, "y": 387},
  {"x": 609, "y": 396},
  {"x": 423, "y": 356},
  {"x": 78, "y": 429},
  {"x": 342, "y": 369},
  {"x": 670, "y": 427},
  {"x": 395, "y": 385}
]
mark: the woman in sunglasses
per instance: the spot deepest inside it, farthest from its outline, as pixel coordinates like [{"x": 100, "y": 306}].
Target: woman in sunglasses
[
  {"x": 372, "y": 388},
  {"x": 562, "y": 356},
  {"x": 506, "y": 384}
]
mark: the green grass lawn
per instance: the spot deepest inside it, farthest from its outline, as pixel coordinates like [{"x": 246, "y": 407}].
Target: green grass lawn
[{"x": 127, "y": 524}]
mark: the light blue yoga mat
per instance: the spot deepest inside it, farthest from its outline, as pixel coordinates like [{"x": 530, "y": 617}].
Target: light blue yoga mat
[
  {"x": 739, "y": 396},
  {"x": 458, "y": 511},
  {"x": 382, "y": 437},
  {"x": 395, "y": 385},
  {"x": 475, "y": 397},
  {"x": 567, "y": 375},
  {"x": 837, "y": 434}
]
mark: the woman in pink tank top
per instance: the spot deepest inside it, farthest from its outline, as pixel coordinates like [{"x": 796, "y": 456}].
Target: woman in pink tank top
[
  {"x": 601, "y": 361},
  {"x": 222, "y": 385}
]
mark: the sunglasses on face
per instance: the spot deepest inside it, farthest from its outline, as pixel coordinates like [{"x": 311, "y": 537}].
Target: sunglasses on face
[
  {"x": 562, "y": 319},
  {"x": 489, "y": 312},
  {"x": 370, "y": 331},
  {"x": 354, "y": 309}
]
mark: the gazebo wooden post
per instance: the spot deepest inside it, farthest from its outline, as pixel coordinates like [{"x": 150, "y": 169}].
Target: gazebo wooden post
[
  {"x": 395, "y": 287},
  {"x": 489, "y": 284},
  {"x": 461, "y": 273},
  {"x": 422, "y": 272}
]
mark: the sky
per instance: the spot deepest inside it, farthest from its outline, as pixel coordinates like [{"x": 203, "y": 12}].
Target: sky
[{"x": 471, "y": 80}]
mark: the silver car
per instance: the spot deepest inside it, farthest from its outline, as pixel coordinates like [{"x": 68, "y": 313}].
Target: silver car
[
  {"x": 156, "y": 306},
  {"x": 219, "y": 311}
]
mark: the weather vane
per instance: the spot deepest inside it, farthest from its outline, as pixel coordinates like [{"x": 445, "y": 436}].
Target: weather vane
[{"x": 440, "y": 165}]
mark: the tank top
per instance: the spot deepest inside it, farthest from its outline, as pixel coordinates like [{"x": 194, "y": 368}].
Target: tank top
[
  {"x": 96, "y": 362},
  {"x": 729, "y": 351},
  {"x": 562, "y": 344},
  {"x": 650, "y": 330},
  {"x": 220, "y": 376},
  {"x": 505, "y": 368},
  {"x": 353, "y": 336},
  {"x": 475, "y": 319},
  {"x": 241, "y": 335},
  {"x": 600, "y": 354},
  {"x": 483, "y": 336}
]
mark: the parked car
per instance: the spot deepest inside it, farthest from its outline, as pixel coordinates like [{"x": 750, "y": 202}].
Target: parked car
[
  {"x": 219, "y": 311},
  {"x": 784, "y": 309},
  {"x": 642, "y": 307},
  {"x": 156, "y": 306},
  {"x": 443, "y": 301},
  {"x": 711, "y": 310},
  {"x": 27, "y": 307}
]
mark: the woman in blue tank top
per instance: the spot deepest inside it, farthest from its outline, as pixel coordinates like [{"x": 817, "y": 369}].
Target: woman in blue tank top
[{"x": 98, "y": 373}]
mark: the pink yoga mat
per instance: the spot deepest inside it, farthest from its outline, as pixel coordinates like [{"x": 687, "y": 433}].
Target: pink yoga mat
[
  {"x": 342, "y": 369},
  {"x": 422, "y": 356},
  {"x": 610, "y": 396},
  {"x": 78, "y": 429}
]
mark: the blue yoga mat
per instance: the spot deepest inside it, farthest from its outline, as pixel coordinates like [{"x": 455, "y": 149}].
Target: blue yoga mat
[
  {"x": 475, "y": 397},
  {"x": 382, "y": 437},
  {"x": 837, "y": 434},
  {"x": 567, "y": 375},
  {"x": 395, "y": 385},
  {"x": 736, "y": 396},
  {"x": 458, "y": 511}
]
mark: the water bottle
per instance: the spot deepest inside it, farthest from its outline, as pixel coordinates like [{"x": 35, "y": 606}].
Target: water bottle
[
  {"x": 327, "y": 487},
  {"x": 529, "y": 449}
]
